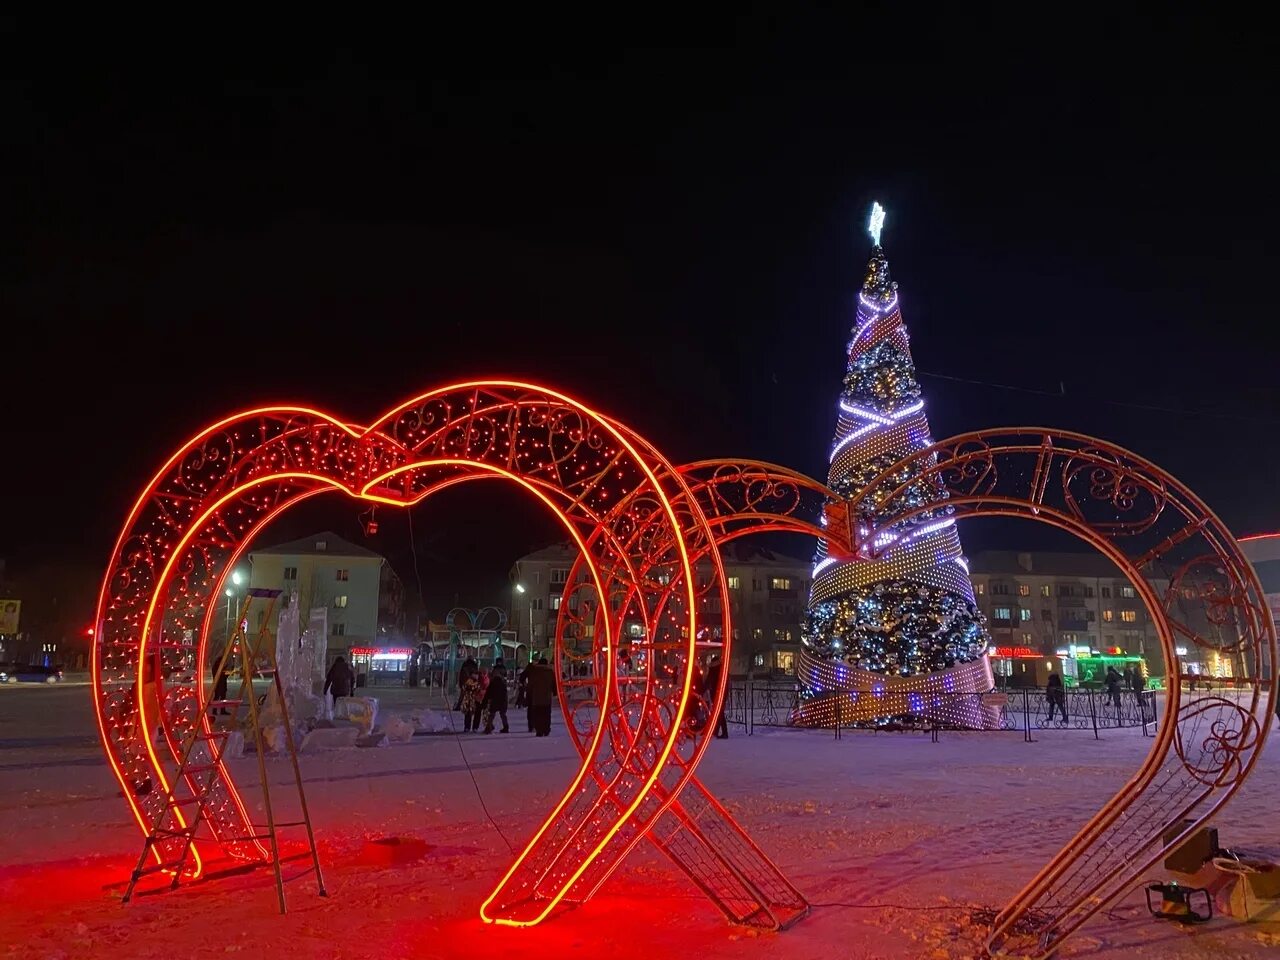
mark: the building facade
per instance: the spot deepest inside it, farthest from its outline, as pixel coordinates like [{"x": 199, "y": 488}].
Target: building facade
[
  {"x": 361, "y": 594},
  {"x": 1042, "y": 605},
  {"x": 1263, "y": 551},
  {"x": 767, "y": 595}
]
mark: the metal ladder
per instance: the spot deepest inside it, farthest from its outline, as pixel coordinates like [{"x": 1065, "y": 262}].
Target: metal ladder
[{"x": 200, "y": 772}]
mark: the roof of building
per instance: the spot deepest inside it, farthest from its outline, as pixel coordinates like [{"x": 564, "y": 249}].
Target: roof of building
[
  {"x": 326, "y": 542},
  {"x": 1042, "y": 564},
  {"x": 736, "y": 551},
  {"x": 556, "y": 551},
  {"x": 744, "y": 551}
]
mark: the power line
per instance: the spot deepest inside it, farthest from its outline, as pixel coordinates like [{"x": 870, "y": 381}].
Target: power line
[{"x": 1061, "y": 394}]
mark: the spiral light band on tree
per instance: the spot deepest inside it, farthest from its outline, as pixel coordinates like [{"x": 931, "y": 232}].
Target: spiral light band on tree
[{"x": 882, "y": 633}]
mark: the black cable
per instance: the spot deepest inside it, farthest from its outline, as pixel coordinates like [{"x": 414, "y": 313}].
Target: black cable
[
  {"x": 1062, "y": 394},
  {"x": 413, "y": 549}
]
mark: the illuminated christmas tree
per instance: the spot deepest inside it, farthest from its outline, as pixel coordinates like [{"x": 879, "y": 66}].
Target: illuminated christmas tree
[{"x": 898, "y": 635}]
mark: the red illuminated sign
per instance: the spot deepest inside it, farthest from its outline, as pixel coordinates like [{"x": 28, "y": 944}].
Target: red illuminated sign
[{"x": 1016, "y": 652}]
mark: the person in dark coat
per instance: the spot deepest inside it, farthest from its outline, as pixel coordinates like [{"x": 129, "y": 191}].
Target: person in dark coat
[
  {"x": 220, "y": 685},
  {"x": 542, "y": 690},
  {"x": 1113, "y": 686},
  {"x": 339, "y": 680},
  {"x": 495, "y": 697},
  {"x": 1135, "y": 682},
  {"x": 710, "y": 687},
  {"x": 522, "y": 689},
  {"x": 1056, "y": 694}
]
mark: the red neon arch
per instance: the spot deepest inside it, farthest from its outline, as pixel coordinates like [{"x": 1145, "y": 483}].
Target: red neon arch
[{"x": 198, "y": 513}]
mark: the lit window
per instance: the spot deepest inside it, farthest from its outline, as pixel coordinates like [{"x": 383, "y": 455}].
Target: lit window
[
  {"x": 663, "y": 578},
  {"x": 785, "y": 660},
  {"x": 1024, "y": 614},
  {"x": 1024, "y": 590},
  {"x": 1026, "y": 638},
  {"x": 757, "y": 634},
  {"x": 781, "y": 636},
  {"x": 342, "y": 575},
  {"x": 555, "y": 602},
  {"x": 340, "y": 601},
  {"x": 980, "y": 588},
  {"x": 1108, "y": 616},
  {"x": 1129, "y": 616},
  {"x": 1002, "y": 613},
  {"x": 1045, "y": 590},
  {"x": 780, "y": 583},
  {"x": 735, "y": 583},
  {"x": 1127, "y": 592},
  {"x": 758, "y": 660}
]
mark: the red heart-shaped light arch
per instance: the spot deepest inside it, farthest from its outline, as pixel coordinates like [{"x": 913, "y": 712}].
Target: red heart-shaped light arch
[{"x": 203, "y": 508}]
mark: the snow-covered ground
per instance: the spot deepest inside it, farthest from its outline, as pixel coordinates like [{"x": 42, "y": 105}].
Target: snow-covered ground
[{"x": 895, "y": 839}]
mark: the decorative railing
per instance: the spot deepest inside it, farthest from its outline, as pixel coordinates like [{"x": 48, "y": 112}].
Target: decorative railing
[{"x": 751, "y": 703}]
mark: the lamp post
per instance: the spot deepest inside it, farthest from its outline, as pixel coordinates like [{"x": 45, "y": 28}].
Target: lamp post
[{"x": 519, "y": 587}]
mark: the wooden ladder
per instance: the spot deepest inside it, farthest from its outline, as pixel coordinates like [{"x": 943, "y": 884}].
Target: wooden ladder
[{"x": 199, "y": 768}]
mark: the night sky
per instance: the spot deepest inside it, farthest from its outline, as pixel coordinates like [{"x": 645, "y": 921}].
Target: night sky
[{"x": 665, "y": 217}]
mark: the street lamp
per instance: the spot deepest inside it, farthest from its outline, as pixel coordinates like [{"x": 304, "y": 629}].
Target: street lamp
[{"x": 521, "y": 590}]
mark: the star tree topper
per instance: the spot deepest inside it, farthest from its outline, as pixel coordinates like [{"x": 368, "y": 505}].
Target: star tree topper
[{"x": 876, "y": 223}]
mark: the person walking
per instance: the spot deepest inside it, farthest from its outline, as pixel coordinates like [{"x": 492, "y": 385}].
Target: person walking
[
  {"x": 710, "y": 687},
  {"x": 220, "y": 685},
  {"x": 1113, "y": 687},
  {"x": 1056, "y": 694},
  {"x": 1135, "y": 683},
  {"x": 339, "y": 680},
  {"x": 495, "y": 697},
  {"x": 542, "y": 690}
]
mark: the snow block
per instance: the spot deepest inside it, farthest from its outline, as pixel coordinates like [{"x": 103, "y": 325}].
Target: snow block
[
  {"x": 361, "y": 710},
  {"x": 274, "y": 738},
  {"x": 328, "y": 738},
  {"x": 399, "y": 730},
  {"x": 430, "y": 721},
  {"x": 233, "y": 745},
  {"x": 372, "y": 740}
]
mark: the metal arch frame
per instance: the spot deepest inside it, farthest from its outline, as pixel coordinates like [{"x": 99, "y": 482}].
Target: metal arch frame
[
  {"x": 737, "y": 498},
  {"x": 1138, "y": 516},
  {"x": 198, "y": 514}
]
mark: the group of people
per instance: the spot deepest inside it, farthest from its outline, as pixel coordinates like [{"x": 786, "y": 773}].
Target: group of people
[
  {"x": 1112, "y": 684},
  {"x": 482, "y": 695}
]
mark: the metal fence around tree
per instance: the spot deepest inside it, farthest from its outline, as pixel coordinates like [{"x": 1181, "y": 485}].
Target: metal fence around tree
[{"x": 750, "y": 704}]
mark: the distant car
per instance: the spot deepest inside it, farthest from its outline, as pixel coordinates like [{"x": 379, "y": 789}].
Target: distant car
[{"x": 22, "y": 673}]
